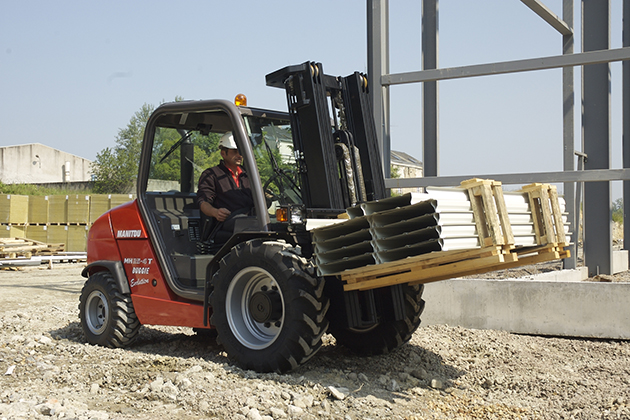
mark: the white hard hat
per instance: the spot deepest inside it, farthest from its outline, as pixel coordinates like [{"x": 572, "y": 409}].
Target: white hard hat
[{"x": 227, "y": 141}]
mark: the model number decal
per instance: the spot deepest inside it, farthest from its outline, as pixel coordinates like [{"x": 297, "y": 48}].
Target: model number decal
[
  {"x": 136, "y": 261},
  {"x": 129, "y": 233}
]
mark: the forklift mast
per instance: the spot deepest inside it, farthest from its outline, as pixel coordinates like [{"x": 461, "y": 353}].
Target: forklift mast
[{"x": 334, "y": 137}]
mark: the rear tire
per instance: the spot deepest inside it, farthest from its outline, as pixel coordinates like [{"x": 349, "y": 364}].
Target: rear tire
[
  {"x": 385, "y": 336},
  {"x": 107, "y": 315},
  {"x": 269, "y": 312}
]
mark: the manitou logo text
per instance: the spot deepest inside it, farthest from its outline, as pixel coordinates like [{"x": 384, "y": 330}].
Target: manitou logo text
[{"x": 128, "y": 233}]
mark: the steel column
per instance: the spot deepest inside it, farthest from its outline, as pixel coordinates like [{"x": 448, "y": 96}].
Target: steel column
[
  {"x": 596, "y": 138},
  {"x": 568, "y": 134},
  {"x": 430, "y": 150},
  {"x": 626, "y": 124},
  {"x": 378, "y": 66}
]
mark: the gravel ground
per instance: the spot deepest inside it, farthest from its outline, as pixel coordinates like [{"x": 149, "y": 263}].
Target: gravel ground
[{"x": 445, "y": 372}]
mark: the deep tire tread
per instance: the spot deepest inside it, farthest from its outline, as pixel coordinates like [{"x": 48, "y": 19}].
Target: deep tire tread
[
  {"x": 301, "y": 336},
  {"x": 386, "y": 336},
  {"x": 123, "y": 324}
]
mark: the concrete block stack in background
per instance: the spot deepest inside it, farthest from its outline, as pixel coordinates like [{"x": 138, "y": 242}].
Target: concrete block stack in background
[{"x": 55, "y": 219}]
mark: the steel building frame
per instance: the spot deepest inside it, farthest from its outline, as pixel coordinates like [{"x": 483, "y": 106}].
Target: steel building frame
[{"x": 596, "y": 133}]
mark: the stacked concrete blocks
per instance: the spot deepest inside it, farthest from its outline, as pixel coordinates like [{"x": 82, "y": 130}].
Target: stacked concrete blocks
[{"x": 55, "y": 219}]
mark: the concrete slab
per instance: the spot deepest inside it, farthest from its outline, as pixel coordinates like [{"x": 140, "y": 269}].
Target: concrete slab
[
  {"x": 557, "y": 308},
  {"x": 620, "y": 261},
  {"x": 578, "y": 274}
]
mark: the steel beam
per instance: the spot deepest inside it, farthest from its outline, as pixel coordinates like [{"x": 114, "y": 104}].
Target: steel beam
[
  {"x": 430, "y": 143},
  {"x": 593, "y": 175},
  {"x": 517, "y": 66},
  {"x": 378, "y": 65},
  {"x": 551, "y": 18},
  {"x": 596, "y": 138}
]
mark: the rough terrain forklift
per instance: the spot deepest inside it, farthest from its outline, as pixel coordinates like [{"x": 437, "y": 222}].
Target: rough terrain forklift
[{"x": 156, "y": 261}]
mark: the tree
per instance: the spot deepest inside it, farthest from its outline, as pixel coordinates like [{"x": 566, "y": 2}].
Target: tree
[
  {"x": 394, "y": 171},
  {"x": 617, "y": 210},
  {"x": 206, "y": 153},
  {"x": 115, "y": 169}
]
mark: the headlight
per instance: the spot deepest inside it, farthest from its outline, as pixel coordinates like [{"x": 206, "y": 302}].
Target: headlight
[
  {"x": 297, "y": 215},
  {"x": 293, "y": 214}
]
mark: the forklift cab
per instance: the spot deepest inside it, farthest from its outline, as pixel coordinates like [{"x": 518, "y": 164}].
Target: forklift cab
[{"x": 180, "y": 142}]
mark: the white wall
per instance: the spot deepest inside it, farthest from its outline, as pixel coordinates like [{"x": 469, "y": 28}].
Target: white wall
[{"x": 36, "y": 163}]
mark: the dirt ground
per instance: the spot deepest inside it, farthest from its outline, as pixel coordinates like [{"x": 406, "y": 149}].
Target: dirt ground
[{"x": 445, "y": 372}]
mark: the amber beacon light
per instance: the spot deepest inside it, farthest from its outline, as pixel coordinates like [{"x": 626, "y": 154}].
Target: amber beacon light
[{"x": 240, "y": 100}]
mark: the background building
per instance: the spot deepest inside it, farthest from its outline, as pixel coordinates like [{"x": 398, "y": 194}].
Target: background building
[
  {"x": 405, "y": 166},
  {"x": 38, "y": 164}
]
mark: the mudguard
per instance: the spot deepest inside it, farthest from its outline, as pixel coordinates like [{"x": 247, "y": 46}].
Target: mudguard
[{"x": 114, "y": 267}]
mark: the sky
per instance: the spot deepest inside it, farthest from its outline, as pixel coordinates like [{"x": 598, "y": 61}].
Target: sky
[{"x": 73, "y": 73}]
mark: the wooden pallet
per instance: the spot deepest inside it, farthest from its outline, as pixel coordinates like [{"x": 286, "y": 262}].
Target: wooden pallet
[
  {"x": 491, "y": 216},
  {"x": 444, "y": 265},
  {"x": 543, "y": 202},
  {"x": 426, "y": 268},
  {"x": 538, "y": 254},
  {"x": 20, "y": 247}
]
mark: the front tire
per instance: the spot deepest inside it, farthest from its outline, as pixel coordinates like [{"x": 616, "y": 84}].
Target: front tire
[
  {"x": 107, "y": 315},
  {"x": 269, "y": 312},
  {"x": 386, "y": 335}
]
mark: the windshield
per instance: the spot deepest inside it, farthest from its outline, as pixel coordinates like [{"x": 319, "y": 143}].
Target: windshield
[
  {"x": 199, "y": 151},
  {"x": 273, "y": 150},
  {"x": 180, "y": 155}
]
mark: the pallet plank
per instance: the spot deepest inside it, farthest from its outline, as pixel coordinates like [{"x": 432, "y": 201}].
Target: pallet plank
[
  {"x": 557, "y": 215},
  {"x": 426, "y": 275},
  {"x": 504, "y": 218},
  {"x": 420, "y": 261}
]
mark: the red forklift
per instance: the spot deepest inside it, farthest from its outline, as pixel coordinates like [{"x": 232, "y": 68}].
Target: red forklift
[{"x": 157, "y": 261}]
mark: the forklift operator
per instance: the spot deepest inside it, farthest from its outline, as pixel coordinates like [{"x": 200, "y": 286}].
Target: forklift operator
[{"x": 224, "y": 190}]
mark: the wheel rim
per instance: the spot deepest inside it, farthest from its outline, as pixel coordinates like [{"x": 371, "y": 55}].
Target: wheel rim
[
  {"x": 96, "y": 312},
  {"x": 255, "y": 308}
]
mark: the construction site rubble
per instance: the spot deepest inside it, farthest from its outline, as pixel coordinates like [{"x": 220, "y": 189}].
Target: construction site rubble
[{"x": 445, "y": 372}]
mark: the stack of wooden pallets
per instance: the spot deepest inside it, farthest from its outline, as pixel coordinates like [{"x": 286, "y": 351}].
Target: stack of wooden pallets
[
  {"x": 18, "y": 247},
  {"x": 494, "y": 247}
]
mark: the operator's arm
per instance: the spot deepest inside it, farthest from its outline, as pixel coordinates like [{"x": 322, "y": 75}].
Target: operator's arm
[{"x": 209, "y": 210}]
